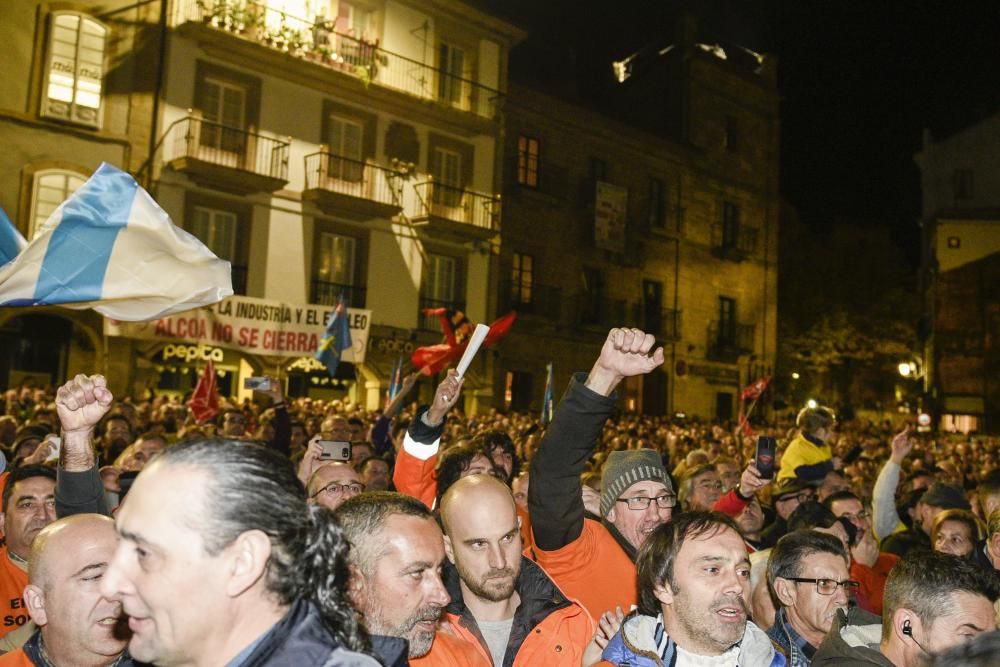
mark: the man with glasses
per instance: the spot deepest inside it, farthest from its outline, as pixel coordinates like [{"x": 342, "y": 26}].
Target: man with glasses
[
  {"x": 787, "y": 496},
  {"x": 332, "y": 484},
  {"x": 869, "y": 566},
  {"x": 808, "y": 574},
  {"x": 700, "y": 488}
]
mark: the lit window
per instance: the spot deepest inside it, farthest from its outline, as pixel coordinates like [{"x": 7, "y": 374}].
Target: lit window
[
  {"x": 51, "y": 188},
  {"x": 336, "y": 259},
  {"x": 522, "y": 278},
  {"x": 527, "y": 161},
  {"x": 75, "y": 69}
]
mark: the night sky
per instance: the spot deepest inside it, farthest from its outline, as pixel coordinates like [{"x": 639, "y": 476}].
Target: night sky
[{"x": 858, "y": 81}]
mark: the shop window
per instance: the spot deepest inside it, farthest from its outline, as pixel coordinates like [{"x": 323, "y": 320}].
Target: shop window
[
  {"x": 50, "y": 189},
  {"x": 74, "y": 69}
]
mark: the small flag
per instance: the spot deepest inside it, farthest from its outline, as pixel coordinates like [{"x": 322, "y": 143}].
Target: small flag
[
  {"x": 110, "y": 247},
  {"x": 336, "y": 338},
  {"x": 547, "y": 399},
  {"x": 754, "y": 391},
  {"x": 11, "y": 241},
  {"x": 396, "y": 380},
  {"x": 204, "y": 402}
]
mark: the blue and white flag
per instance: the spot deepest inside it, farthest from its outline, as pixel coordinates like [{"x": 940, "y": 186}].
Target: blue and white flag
[
  {"x": 336, "y": 338},
  {"x": 110, "y": 247},
  {"x": 548, "y": 398},
  {"x": 11, "y": 241}
]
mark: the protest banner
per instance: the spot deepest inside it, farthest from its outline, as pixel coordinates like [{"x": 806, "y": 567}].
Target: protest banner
[{"x": 252, "y": 326}]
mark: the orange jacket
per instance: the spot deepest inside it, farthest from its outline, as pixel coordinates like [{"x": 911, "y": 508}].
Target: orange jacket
[
  {"x": 548, "y": 628},
  {"x": 593, "y": 569},
  {"x": 16, "y": 658},
  {"x": 451, "y": 651},
  {"x": 13, "y": 612}
]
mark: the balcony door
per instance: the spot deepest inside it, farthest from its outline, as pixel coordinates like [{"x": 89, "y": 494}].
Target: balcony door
[
  {"x": 346, "y": 140},
  {"x": 451, "y": 76},
  {"x": 335, "y": 269},
  {"x": 727, "y": 322},
  {"x": 446, "y": 168},
  {"x": 439, "y": 288},
  {"x": 218, "y": 230},
  {"x": 224, "y": 116}
]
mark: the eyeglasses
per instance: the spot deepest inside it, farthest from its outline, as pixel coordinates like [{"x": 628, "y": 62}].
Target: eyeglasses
[
  {"x": 335, "y": 489},
  {"x": 711, "y": 485},
  {"x": 828, "y": 586},
  {"x": 666, "y": 501},
  {"x": 800, "y": 497},
  {"x": 863, "y": 514}
]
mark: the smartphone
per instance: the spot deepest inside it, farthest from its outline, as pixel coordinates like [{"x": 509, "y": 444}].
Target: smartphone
[
  {"x": 335, "y": 450},
  {"x": 257, "y": 383},
  {"x": 765, "y": 456}
]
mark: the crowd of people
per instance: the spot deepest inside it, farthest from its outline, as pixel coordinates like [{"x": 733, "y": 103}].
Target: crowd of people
[{"x": 135, "y": 535}]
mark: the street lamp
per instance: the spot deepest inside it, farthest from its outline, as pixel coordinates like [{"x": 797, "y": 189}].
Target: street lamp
[
  {"x": 795, "y": 376},
  {"x": 906, "y": 368},
  {"x": 811, "y": 404}
]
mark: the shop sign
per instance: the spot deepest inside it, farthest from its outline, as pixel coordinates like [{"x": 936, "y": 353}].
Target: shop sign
[
  {"x": 253, "y": 326},
  {"x": 193, "y": 353}
]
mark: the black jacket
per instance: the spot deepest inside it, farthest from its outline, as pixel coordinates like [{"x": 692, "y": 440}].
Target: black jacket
[{"x": 303, "y": 638}]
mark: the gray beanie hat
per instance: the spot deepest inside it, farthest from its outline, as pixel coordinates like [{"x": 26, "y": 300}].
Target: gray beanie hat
[{"x": 623, "y": 469}]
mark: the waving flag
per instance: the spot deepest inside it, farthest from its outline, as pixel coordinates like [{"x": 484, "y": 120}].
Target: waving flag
[
  {"x": 110, "y": 247},
  {"x": 548, "y": 399},
  {"x": 336, "y": 339},
  {"x": 204, "y": 402},
  {"x": 11, "y": 241},
  {"x": 396, "y": 380},
  {"x": 432, "y": 359}
]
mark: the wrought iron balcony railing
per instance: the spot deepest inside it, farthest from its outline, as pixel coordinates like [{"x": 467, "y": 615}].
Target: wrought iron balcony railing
[
  {"x": 225, "y": 146},
  {"x": 333, "y": 173},
  {"x": 436, "y": 200},
  {"x": 328, "y": 293},
  {"x": 360, "y": 56}
]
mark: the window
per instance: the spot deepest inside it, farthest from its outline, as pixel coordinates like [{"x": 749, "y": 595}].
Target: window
[
  {"x": 446, "y": 169},
  {"x": 440, "y": 276},
  {"x": 730, "y": 224},
  {"x": 727, "y": 321},
  {"x": 336, "y": 259},
  {"x": 527, "y": 161},
  {"x": 657, "y": 204},
  {"x": 451, "y": 75},
  {"x": 353, "y": 20},
  {"x": 598, "y": 170},
  {"x": 217, "y": 230},
  {"x": 345, "y": 138},
  {"x": 522, "y": 278},
  {"x": 963, "y": 184},
  {"x": 732, "y": 139},
  {"x": 74, "y": 72},
  {"x": 51, "y": 188},
  {"x": 223, "y": 108}
]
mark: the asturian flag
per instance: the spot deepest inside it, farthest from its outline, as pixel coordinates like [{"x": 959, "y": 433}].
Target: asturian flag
[
  {"x": 336, "y": 338},
  {"x": 548, "y": 398},
  {"x": 110, "y": 247}
]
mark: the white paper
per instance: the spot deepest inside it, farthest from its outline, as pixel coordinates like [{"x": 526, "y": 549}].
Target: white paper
[{"x": 478, "y": 336}]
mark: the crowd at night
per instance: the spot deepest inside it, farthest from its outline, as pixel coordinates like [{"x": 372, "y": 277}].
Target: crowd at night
[{"x": 439, "y": 538}]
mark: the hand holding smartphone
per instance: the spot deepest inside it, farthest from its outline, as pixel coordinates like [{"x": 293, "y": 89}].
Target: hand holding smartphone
[
  {"x": 766, "y": 447},
  {"x": 335, "y": 450}
]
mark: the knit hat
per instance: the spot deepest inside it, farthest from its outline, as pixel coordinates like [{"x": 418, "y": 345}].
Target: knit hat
[
  {"x": 789, "y": 486},
  {"x": 623, "y": 469},
  {"x": 946, "y": 497}
]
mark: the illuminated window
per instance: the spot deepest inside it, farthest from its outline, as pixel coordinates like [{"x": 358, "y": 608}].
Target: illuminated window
[
  {"x": 51, "y": 188},
  {"x": 527, "y": 161},
  {"x": 74, "y": 71},
  {"x": 336, "y": 259},
  {"x": 522, "y": 278}
]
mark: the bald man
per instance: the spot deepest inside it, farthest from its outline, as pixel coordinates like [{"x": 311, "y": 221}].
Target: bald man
[
  {"x": 501, "y": 602},
  {"x": 333, "y": 483},
  {"x": 77, "y": 626}
]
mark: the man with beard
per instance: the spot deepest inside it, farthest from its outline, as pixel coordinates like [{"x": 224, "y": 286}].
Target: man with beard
[
  {"x": 395, "y": 561},
  {"x": 76, "y": 624},
  {"x": 808, "y": 574},
  {"x": 694, "y": 578},
  {"x": 501, "y": 602},
  {"x": 591, "y": 561},
  {"x": 29, "y": 504}
]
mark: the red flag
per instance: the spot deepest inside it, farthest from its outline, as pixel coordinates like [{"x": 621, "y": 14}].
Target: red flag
[
  {"x": 753, "y": 391},
  {"x": 432, "y": 359},
  {"x": 204, "y": 403}
]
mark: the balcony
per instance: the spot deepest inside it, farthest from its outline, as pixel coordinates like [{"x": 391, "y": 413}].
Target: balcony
[
  {"x": 351, "y": 188},
  {"x": 664, "y": 324},
  {"x": 239, "y": 279},
  {"x": 432, "y": 322},
  {"x": 597, "y": 311},
  {"x": 225, "y": 158},
  {"x": 327, "y": 294},
  {"x": 734, "y": 244},
  {"x": 359, "y": 57},
  {"x": 531, "y": 299},
  {"x": 730, "y": 341},
  {"x": 456, "y": 212}
]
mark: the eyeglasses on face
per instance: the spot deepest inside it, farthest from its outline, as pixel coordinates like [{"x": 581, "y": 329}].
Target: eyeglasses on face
[
  {"x": 666, "y": 501},
  {"x": 336, "y": 489},
  {"x": 708, "y": 484},
  {"x": 828, "y": 586},
  {"x": 863, "y": 514}
]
